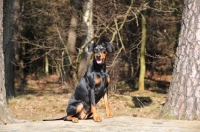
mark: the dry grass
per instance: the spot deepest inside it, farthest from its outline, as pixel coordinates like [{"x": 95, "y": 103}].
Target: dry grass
[{"x": 46, "y": 99}]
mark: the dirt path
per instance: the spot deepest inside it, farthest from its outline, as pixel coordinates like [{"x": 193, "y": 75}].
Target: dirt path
[{"x": 116, "y": 124}]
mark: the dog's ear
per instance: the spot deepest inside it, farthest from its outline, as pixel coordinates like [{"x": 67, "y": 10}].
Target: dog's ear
[
  {"x": 90, "y": 47},
  {"x": 109, "y": 47}
]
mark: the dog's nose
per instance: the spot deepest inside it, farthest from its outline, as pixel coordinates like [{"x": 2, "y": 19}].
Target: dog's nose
[{"x": 98, "y": 55}]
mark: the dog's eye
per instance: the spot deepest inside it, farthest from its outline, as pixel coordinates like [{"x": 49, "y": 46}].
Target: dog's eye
[{"x": 104, "y": 52}]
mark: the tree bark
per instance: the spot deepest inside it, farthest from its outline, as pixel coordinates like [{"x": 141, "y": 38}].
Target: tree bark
[
  {"x": 88, "y": 35},
  {"x": 5, "y": 116},
  {"x": 183, "y": 101},
  {"x": 46, "y": 64},
  {"x": 142, "y": 54},
  {"x": 12, "y": 9},
  {"x": 71, "y": 42}
]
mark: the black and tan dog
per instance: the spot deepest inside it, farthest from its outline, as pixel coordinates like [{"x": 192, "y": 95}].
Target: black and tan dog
[{"x": 91, "y": 88}]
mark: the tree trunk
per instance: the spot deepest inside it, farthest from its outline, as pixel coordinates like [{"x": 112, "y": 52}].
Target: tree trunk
[
  {"x": 46, "y": 64},
  {"x": 183, "y": 101},
  {"x": 5, "y": 116},
  {"x": 12, "y": 9},
  {"x": 71, "y": 42},
  {"x": 89, "y": 33},
  {"x": 142, "y": 54}
]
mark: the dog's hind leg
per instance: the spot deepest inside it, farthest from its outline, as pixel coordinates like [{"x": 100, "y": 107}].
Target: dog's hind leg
[{"x": 75, "y": 112}]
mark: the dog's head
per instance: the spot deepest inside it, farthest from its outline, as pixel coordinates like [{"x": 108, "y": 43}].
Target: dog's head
[{"x": 100, "y": 51}]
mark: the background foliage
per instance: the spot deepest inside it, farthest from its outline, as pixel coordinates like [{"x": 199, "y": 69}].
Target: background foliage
[{"x": 42, "y": 35}]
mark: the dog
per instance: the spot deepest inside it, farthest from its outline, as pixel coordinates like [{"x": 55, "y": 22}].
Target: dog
[{"x": 92, "y": 87}]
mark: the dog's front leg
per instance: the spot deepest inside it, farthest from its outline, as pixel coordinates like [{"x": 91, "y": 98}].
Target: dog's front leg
[
  {"x": 105, "y": 98},
  {"x": 96, "y": 116}
]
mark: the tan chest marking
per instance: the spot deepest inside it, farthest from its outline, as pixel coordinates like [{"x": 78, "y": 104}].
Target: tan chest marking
[
  {"x": 108, "y": 79},
  {"x": 97, "y": 80}
]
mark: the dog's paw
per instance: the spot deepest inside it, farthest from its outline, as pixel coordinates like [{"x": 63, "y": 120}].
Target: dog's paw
[
  {"x": 74, "y": 120},
  {"x": 97, "y": 118},
  {"x": 109, "y": 115}
]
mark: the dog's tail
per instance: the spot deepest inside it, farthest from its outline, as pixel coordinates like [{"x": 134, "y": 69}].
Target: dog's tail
[{"x": 62, "y": 118}]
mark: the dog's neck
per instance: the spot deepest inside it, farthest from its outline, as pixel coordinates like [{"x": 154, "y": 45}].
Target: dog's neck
[{"x": 98, "y": 67}]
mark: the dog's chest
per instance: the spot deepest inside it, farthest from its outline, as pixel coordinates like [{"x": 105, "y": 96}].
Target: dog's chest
[{"x": 100, "y": 83}]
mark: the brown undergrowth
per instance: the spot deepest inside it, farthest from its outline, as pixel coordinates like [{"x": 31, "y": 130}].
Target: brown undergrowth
[{"x": 45, "y": 98}]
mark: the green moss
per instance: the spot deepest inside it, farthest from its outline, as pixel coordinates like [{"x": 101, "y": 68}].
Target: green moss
[{"x": 167, "y": 114}]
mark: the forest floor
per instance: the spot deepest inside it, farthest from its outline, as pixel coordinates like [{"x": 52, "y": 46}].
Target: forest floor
[{"x": 46, "y": 98}]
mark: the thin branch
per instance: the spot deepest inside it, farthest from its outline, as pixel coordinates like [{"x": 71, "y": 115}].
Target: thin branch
[
  {"x": 60, "y": 37},
  {"x": 117, "y": 31}
]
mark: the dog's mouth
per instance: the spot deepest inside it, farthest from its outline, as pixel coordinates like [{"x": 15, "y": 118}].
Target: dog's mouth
[{"x": 99, "y": 61}]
